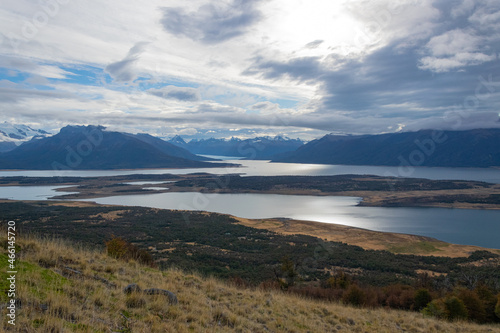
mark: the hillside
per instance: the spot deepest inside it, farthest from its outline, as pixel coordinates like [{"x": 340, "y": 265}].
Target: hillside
[
  {"x": 92, "y": 147},
  {"x": 256, "y": 148},
  {"x": 473, "y": 148},
  {"x": 73, "y": 289}
]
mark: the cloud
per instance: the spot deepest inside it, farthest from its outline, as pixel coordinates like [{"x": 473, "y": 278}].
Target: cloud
[
  {"x": 314, "y": 44},
  {"x": 214, "y": 22},
  {"x": 179, "y": 93},
  {"x": 12, "y": 93},
  {"x": 29, "y": 66},
  {"x": 125, "y": 70},
  {"x": 257, "y": 65},
  {"x": 454, "y": 49},
  {"x": 303, "y": 69}
]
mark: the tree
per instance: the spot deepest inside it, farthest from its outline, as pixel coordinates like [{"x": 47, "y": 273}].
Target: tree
[
  {"x": 289, "y": 271},
  {"x": 497, "y": 307},
  {"x": 354, "y": 296},
  {"x": 435, "y": 308},
  {"x": 475, "y": 308},
  {"x": 455, "y": 308},
  {"x": 422, "y": 298}
]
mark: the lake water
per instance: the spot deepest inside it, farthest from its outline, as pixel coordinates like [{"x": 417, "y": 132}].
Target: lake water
[
  {"x": 265, "y": 168},
  {"x": 461, "y": 226},
  {"x": 30, "y": 192},
  {"x": 473, "y": 227}
]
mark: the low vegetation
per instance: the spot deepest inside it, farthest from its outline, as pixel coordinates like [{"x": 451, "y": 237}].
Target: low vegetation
[{"x": 63, "y": 287}]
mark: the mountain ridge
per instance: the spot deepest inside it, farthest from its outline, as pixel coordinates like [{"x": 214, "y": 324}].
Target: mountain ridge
[
  {"x": 263, "y": 147},
  {"x": 92, "y": 147},
  {"x": 431, "y": 148}
]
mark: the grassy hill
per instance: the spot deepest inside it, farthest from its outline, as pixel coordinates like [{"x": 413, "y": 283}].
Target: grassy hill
[{"x": 65, "y": 288}]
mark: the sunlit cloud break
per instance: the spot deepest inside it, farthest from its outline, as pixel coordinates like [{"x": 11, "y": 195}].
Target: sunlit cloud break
[{"x": 287, "y": 67}]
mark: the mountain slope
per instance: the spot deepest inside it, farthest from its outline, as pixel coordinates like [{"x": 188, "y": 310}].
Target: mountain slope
[
  {"x": 256, "y": 148},
  {"x": 473, "y": 148},
  {"x": 91, "y": 147},
  {"x": 170, "y": 149},
  {"x": 63, "y": 287}
]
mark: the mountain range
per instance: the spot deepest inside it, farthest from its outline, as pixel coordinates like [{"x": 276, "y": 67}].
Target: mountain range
[
  {"x": 13, "y": 135},
  {"x": 472, "y": 148},
  {"x": 256, "y": 148},
  {"x": 92, "y": 147}
]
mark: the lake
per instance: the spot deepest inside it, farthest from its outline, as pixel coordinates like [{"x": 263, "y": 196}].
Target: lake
[
  {"x": 30, "y": 192},
  {"x": 460, "y": 226},
  {"x": 265, "y": 168}
]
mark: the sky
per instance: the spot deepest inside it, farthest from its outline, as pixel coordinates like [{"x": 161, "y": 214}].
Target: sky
[{"x": 240, "y": 68}]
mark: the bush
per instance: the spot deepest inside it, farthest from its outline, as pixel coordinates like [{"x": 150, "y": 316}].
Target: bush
[
  {"x": 435, "y": 308},
  {"x": 422, "y": 299},
  {"x": 119, "y": 248},
  {"x": 497, "y": 308},
  {"x": 475, "y": 307},
  {"x": 455, "y": 308},
  {"x": 354, "y": 296}
]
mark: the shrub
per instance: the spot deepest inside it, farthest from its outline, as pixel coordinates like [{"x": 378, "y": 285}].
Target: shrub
[
  {"x": 119, "y": 248},
  {"x": 497, "y": 307},
  {"x": 475, "y": 307},
  {"x": 435, "y": 308},
  {"x": 354, "y": 296},
  {"x": 422, "y": 299},
  {"x": 455, "y": 308}
]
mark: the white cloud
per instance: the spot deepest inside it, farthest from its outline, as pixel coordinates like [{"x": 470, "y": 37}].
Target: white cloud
[{"x": 353, "y": 66}]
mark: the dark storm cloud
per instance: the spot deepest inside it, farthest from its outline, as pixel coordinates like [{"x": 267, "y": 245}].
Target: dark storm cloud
[
  {"x": 213, "y": 22},
  {"x": 417, "y": 84}
]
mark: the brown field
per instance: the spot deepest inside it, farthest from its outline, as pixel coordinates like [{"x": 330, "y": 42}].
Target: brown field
[{"x": 367, "y": 239}]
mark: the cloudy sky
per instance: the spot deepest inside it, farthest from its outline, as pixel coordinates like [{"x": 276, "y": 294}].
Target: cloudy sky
[{"x": 263, "y": 67}]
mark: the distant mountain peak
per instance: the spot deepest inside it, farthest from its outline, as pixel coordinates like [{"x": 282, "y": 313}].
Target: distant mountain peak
[
  {"x": 13, "y": 135},
  {"x": 177, "y": 139},
  {"x": 82, "y": 128}
]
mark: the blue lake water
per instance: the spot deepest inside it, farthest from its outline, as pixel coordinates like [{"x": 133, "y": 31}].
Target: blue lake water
[
  {"x": 265, "y": 168},
  {"x": 461, "y": 226}
]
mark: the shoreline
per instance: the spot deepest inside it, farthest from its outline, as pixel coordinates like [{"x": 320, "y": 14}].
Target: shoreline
[
  {"x": 397, "y": 243},
  {"x": 374, "y": 191}
]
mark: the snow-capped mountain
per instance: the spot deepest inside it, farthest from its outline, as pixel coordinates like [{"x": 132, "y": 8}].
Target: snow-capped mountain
[
  {"x": 12, "y": 135},
  {"x": 256, "y": 148}
]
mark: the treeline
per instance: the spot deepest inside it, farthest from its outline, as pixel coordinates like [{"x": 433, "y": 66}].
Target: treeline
[{"x": 338, "y": 183}]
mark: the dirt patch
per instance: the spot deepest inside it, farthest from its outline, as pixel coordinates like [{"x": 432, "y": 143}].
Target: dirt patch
[{"x": 110, "y": 215}]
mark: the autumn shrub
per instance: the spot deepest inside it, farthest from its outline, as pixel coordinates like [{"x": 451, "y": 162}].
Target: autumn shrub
[
  {"x": 455, "y": 308},
  {"x": 474, "y": 306},
  {"x": 119, "y": 248}
]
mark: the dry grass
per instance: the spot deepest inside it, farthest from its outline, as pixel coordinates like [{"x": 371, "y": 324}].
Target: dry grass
[
  {"x": 54, "y": 300},
  {"x": 367, "y": 239}
]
